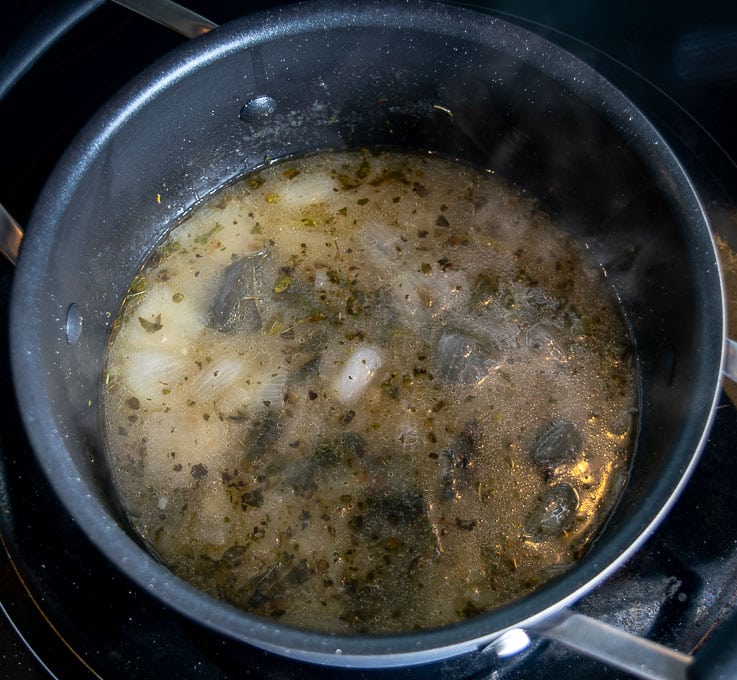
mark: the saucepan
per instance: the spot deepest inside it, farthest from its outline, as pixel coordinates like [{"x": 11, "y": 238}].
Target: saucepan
[{"x": 419, "y": 75}]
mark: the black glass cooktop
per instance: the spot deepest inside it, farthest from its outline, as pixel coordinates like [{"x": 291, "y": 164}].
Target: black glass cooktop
[{"x": 68, "y": 613}]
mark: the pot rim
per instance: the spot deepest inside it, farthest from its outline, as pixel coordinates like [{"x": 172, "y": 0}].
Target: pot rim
[{"x": 339, "y": 650}]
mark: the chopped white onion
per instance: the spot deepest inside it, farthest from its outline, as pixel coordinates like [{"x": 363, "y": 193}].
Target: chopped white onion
[
  {"x": 151, "y": 372},
  {"x": 176, "y": 441},
  {"x": 357, "y": 374},
  {"x": 217, "y": 376},
  {"x": 272, "y": 387},
  {"x": 305, "y": 189},
  {"x": 178, "y": 323},
  {"x": 214, "y": 505}
]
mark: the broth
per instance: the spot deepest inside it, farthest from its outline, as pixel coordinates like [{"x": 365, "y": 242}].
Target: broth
[{"x": 369, "y": 392}]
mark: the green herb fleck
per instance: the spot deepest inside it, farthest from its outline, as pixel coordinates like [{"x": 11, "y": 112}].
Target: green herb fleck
[
  {"x": 485, "y": 290},
  {"x": 283, "y": 282},
  {"x": 168, "y": 249},
  {"x": 151, "y": 326},
  {"x": 355, "y": 303},
  {"x": 364, "y": 169},
  {"x": 390, "y": 388},
  {"x": 139, "y": 285},
  {"x": 204, "y": 238}
]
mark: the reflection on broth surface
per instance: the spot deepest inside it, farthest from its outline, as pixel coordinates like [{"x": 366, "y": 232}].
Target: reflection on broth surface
[{"x": 369, "y": 392}]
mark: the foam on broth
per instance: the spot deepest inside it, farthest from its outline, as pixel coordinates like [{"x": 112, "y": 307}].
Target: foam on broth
[{"x": 369, "y": 392}]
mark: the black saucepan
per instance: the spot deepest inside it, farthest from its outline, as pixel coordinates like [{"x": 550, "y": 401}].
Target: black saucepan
[{"x": 334, "y": 75}]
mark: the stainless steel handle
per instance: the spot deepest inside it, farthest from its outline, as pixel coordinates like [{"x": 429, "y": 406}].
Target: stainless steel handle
[
  {"x": 11, "y": 235},
  {"x": 638, "y": 656},
  {"x": 730, "y": 360},
  {"x": 716, "y": 659},
  {"x": 165, "y": 12},
  {"x": 170, "y": 14}
]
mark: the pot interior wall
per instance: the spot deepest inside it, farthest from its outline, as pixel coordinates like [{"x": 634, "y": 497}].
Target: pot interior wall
[{"x": 542, "y": 121}]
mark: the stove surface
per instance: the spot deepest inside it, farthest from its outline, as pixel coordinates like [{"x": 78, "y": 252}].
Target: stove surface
[{"x": 69, "y": 613}]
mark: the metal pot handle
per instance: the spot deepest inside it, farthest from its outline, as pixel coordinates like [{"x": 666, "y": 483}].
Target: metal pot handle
[
  {"x": 11, "y": 236},
  {"x": 717, "y": 658},
  {"x": 730, "y": 360},
  {"x": 171, "y": 15},
  {"x": 165, "y": 12}
]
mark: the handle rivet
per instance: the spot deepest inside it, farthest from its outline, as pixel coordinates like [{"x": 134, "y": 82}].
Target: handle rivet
[
  {"x": 257, "y": 108},
  {"x": 73, "y": 326}
]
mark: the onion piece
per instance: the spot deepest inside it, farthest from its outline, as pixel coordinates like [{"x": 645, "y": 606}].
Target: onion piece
[
  {"x": 273, "y": 386},
  {"x": 214, "y": 505},
  {"x": 175, "y": 324},
  {"x": 178, "y": 440},
  {"x": 216, "y": 377},
  {"x": 307, "y": 190},
  {"x": 150, "y": 372},
  {"x": 358, "y": 372}
]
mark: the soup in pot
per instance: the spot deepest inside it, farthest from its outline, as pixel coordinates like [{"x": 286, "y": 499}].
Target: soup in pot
[{"x": 369, "y": 391}]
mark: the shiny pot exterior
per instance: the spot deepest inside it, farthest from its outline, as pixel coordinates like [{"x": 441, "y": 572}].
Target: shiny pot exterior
[{"x": 335, "y": 75}]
